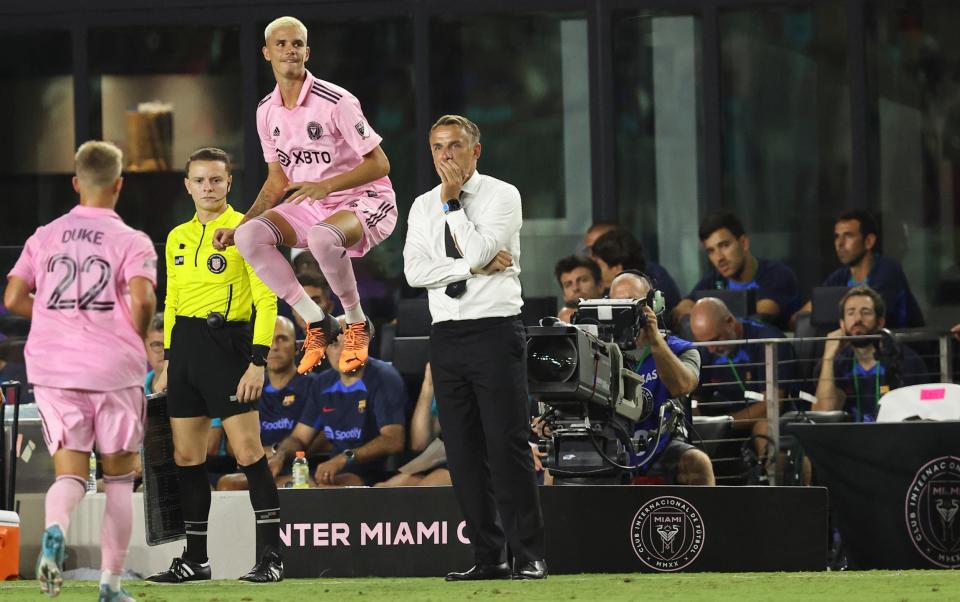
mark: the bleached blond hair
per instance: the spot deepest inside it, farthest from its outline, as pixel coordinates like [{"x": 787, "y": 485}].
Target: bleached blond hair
[
  {"x": 284, "y": 22},
  {"x": 98, "y": 164}
]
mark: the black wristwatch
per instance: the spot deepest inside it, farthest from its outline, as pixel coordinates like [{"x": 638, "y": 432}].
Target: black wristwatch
[
  {"x": 350, "y": 455},
  {"x": 258, "y": 356},
  {"x": 452, "y": 205}
]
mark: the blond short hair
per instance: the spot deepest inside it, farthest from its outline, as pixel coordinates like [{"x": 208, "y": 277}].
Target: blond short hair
[
  {"x": 98, "y": 164},
  {"x": 473, "y": 132},
  {"x": 284, "y": 22}
]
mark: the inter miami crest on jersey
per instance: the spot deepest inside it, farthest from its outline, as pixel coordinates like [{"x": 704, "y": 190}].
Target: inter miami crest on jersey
[
  {"x": 216, "y": 263},
  {"x": 314, "y": 130}
]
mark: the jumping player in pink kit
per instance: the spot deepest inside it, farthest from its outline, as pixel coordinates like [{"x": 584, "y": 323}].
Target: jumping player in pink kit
[
  {"x": 320, "y": 151},
  {"x": 93, "y": 280}
]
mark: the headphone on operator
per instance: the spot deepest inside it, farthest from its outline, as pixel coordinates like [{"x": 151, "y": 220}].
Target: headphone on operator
[{"x": 654, "y": 299}]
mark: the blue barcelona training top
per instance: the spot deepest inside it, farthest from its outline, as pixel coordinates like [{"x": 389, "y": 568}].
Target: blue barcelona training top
[{"x": 352, "y": 415}]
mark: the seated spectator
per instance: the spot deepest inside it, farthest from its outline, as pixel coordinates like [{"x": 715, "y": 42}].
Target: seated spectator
[
  {"x": 316, "y": 287},
  {"x": 740, "y": 389},
  {"x": 618, "y": 250},
  {"x": 734, "y": 267},
  {"x": 595, "y": 231},
  {"x": 855, "y": 239},
  {"x": 579, "y": 278},
  {"x": 154, "y": 344},
  {"x": 303, "y": 261},
  {"x": 430, "y": 466},
  {"x": 284, "y": 396},
  {"x": 854, "y": 374},
  {"x": 357, "y": 417},
  {"x": 670, "y": 368}
]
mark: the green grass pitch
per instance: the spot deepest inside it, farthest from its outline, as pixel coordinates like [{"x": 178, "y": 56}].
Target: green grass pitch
[{"x": 873, "y": 586}]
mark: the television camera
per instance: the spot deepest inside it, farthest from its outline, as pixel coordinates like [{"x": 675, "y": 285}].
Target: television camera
[{"x": 595, "y": 400}]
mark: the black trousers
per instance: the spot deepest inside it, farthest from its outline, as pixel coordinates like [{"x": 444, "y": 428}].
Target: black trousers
[{"x": 480, "y": 381}]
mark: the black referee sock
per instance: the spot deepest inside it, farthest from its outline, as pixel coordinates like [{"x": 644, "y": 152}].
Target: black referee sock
[
  {"x": 195, "y": 500},
  {"x": 266, "y": 504}
]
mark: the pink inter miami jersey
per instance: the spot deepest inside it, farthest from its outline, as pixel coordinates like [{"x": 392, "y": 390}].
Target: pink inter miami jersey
[
  {"x": 81, "y": 334},
  {"x": 325, "y": 135}
]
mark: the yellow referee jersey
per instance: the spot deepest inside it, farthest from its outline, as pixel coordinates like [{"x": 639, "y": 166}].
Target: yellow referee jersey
[{"x": 201, "y": 280}]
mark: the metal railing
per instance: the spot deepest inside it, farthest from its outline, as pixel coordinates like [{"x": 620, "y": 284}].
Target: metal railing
[{"x": 784, "y": 395}]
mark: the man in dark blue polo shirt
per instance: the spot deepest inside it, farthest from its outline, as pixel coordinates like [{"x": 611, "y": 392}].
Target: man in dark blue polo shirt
[
  {"x": 854, "y": 375},
  {"x": 618, "y": 250},
  {"x": 733, "y": 379},
  {"x": 735, "y": 267},
  {"x": 855, "y": 239},
  {"x": 358, "y": 418}
]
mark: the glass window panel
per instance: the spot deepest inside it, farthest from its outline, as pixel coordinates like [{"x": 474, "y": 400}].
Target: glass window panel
[
  {"x": 914, "y": 51},
  {"x": 659, "y": 172},
  {"x": 36, "y": 159},
  {"x": 195, "y": 71},
  {"x": 523, "y": 78},
  {"x": 786, "y": 130}
]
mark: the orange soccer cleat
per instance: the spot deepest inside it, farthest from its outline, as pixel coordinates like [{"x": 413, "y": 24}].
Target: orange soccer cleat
[
  {"x": 356, "y": 346},
  {"x": 319, "y": 335}
]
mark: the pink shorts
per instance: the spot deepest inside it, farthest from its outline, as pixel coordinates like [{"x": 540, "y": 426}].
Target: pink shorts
[
  {"x": 74, "y": 419},
  {"x": 376, "y": 210}
]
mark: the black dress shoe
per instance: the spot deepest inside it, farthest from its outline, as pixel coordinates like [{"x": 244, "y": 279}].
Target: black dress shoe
[
  {"x": 531, "y": 569},
  {"x": 482, "y": 571}
]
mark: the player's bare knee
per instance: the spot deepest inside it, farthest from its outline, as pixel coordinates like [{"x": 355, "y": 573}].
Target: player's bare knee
[
  {"x": 120, "y": 463},
  {"x": 189, "y": 457},
  {"x": 248, "y": 452}
]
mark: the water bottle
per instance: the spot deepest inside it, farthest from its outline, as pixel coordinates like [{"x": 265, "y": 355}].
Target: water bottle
[
  {"x": 92, "y": 475},
  {"x": 301, "y": 471}
]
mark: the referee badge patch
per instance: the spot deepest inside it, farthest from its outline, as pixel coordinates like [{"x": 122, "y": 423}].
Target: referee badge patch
[
  {"x": 178, "y": 260},
  {"x": 314, "y": 130},
  {"x": 216, "y": 263}
]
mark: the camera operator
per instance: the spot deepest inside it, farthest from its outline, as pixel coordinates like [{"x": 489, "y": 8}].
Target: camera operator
[{"x": 670, "y": 368}]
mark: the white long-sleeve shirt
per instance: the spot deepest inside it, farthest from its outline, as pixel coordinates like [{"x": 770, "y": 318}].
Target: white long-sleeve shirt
[{"x": 489, "y": 222}]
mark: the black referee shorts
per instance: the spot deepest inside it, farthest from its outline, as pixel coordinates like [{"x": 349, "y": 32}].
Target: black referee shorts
[{"x": 205, "y": 367}]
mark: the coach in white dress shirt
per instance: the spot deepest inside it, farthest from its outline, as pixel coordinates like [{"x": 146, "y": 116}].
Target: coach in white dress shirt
[{"x": 463, "y": 246}]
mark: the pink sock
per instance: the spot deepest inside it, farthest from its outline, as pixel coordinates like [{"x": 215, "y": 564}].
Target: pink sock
[
  {"x": 117, "y": 522},
  {"x": 257, "y": 242},
  {"x": 62, "y": 497},
  {"x": 327, "y": 243}
]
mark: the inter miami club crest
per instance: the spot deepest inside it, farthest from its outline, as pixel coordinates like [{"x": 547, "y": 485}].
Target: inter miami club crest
[
  {"x": 314, "y": 130},
  {"x": 216, "y": 263},
  {"x": 362, "y": 130},
  {"x": 932, "y": 505},
  {"x": 667, "y": 533}
]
